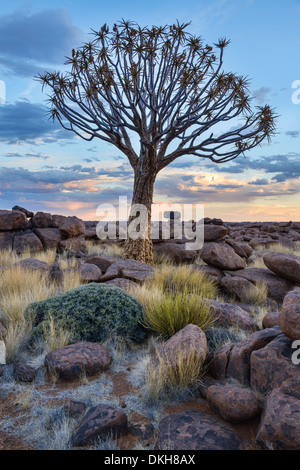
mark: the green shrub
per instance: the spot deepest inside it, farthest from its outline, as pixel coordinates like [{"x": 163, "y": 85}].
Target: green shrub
[{"x": 93, "y": 313}]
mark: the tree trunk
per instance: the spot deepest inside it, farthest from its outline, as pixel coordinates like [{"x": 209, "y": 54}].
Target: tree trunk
[{"x": 141, "y": 249}]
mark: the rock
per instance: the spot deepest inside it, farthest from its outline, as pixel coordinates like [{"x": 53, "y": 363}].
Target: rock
[
  {"x": 284, "y": 265},
  {"x": 289, "y": 317},
  {"x": 6, "y": 240},
  {"x": 238, "y": 248},
  {"x": 103, "y": 262},
  {"x": 271, "y": 320},
  {"x": 3, "y": 332},
  {"x": 239, "y": 359},
  {"x": 237, "y": 286},
  {"x": 214, "y": 274},
  {"x": 23, "y": 372},
  {"x": 176, "y": 252},
  {"x": 74, "y": 409},
  {"x": 57, "y": 220},
  {"x": 190, "y": 342},
  {"x": 196, "y": 430},
  {"x": 13, "y": 220},
  {"x": 42, "y": 220},
  {"x": 278, "y": 288},
  {"x": 75, "y": 245},
  {"x": 214, "y": 232},
  {"x": 72, "y": 227},
  {"x": 71, "y": 362},
  {"x": 272, "y": 365},
  {"x": 221, "y": 255},
  {"x": 2, "y": 353},
  {"x": 24, "y": 241},
  {"x": 218, "y": 362},
  {"x": 255, "y": 242},
  {"x": 101, "y": 420},
  {"x": 232, "y": 315},
  {"x": 125, "y": 284},
  {"x": 90, "y": 273},
  {"x": 232, "y": 403},
  {"x": 280, "y": 423},
  {"x": 129, "y": 269},
  {"x": 28, "y": 214},
  {"x": 50, "y": 237},
  {"x": 31, "y": 264}
]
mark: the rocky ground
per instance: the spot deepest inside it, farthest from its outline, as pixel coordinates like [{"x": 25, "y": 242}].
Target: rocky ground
[{"x": 249, "y": 395}]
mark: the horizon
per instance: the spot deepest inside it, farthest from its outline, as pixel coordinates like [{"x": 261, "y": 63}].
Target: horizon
[{"x": 44, "y": 168}]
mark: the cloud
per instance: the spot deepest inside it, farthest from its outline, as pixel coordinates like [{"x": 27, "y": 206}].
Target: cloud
[
  {"x": 259, "y": 182},
  {"x": 27, "y": 41},
  {"x": 24, "y": 121},
  {"x": 293, "y": 134},
  {"x": 261, "y": 94}
]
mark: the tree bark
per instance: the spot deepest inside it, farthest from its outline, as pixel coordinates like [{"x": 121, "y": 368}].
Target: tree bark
[{"x": 141, "y": 249}]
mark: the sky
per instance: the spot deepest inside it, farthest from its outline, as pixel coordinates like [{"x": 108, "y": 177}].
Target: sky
[{"x": 45, "y": 168}]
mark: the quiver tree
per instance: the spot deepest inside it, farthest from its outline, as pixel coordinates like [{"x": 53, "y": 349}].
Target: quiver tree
[{"x": 163, "y": 88}]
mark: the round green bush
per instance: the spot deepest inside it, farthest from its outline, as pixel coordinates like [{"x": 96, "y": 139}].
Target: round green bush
[{"x": 92, "y": 313}]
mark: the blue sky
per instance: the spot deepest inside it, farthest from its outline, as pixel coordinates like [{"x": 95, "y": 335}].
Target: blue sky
[{"x": 43, "y": 167}]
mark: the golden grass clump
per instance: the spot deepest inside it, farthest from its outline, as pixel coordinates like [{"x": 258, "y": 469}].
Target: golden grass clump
[
  {"x": 98, "y": 248},
  {"x": 9, "y": 257},
  {"x": 169, "y": 379},
  {"x": 257, "y": 294},
  {"x": 55, "y": 336}
]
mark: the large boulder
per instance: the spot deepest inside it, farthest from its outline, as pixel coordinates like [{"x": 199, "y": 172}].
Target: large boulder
[
  {"x": 28, "y": 214},
  {"x": 232, "y": 403},
  {"x": 6, "y": 240},
  {"x": 278, "y": 288},
  {"x": 196, "y": 430},
  {"x": 232, "y": 315},
  {"x": 91, "y": 313},
  {"x": 42, "y": 220},
  {"x": 101, "y": 420},
  {"x": 237, "y": 286},
  {"x": 190, "y": 342},
  {"x": 272, "y": 365},
  {"x": 27, "y": 241},
  {"x": 176, "y": 252},
  {"x": 31, "y": 264},
  {"x": 214, "y": 232},
  {"x": 50, "y": 237},
  {"x": 103, "y": 262},
  {"x": 129, "y": 269},
  {"x": 76, "y": 246},
  {"x": 284, "y": 265},
  {"x": 90, "y": 273},
  {"x": 289, "y": 317},
  {"x": 222, "y": 256},
  {"x": 13, "y": 220},
  {"x": 71, "y": 362},
  {"x": 214, "y": 274},
  {"x": 72, "y": 227}
]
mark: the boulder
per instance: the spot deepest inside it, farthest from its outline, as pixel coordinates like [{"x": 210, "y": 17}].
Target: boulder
[
  {"x": 99, "y": 421},
  {"x": 103, "y": 262},
  {"x": 278, "y": 288},
  {"x": 74, "y": 409},
  {"x": 90, "y": 273},
  {"x": 238, "y": 366},
  {"x": 42, "y": 220},
  {"x": 28, "y": 214},
  {"x": 232, "y": 315},
  {"x": 71, "y": 362},
  {"x": 129, "y": 269},
  {"x": 57, "y": 220},
  {"x": 76, "y": 246},
  {"x": 214, "y": 232},
  {"x": 236, "y": 285},
  {"x": 289, "y": 317},
  {"x": 50, "y": 237},
  {"x": 222, "y": 256},
  {"x": 272, "y": 365},
  {"x": 270, "y": 320},
  {"x": 125, "y": 284},
  {"x": 232, "y": 403},
  {"x": 13, "y": 220},
  {"x": 280, "y": 423},
  {"x": 284, "y": 265},
  {"x": 196, "y": 430},
  {"x": 24, "y": 241},
  {"x": 214, "y": 274},
  {"x": 31, "y": 264},
  {"x": 72, "y": 227},
  {"x": 190, "y": 342},
  {"x": 23, "y": 372},
  {"x": 6, "y": 240},
  {"x": 218, "y": 362},
  {"x": 176, "y": 252}
]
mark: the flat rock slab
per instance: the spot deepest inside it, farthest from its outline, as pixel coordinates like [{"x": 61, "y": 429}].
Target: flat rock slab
[
  {"x": 129, "y": 269},
  {"x": 100, "y": 421},
  {"x": 232, "y": 403},
  {"x": 196, "y": 430},
  {"x": 71, "y": 362}
]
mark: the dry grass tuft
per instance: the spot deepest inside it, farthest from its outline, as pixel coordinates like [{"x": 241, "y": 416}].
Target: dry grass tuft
[
  {"x": 257, "y": 294},
  {"x": 55, "y": 336}
]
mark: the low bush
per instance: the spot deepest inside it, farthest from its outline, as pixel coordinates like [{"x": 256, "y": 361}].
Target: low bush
[{"x": 94, "y": 312}]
